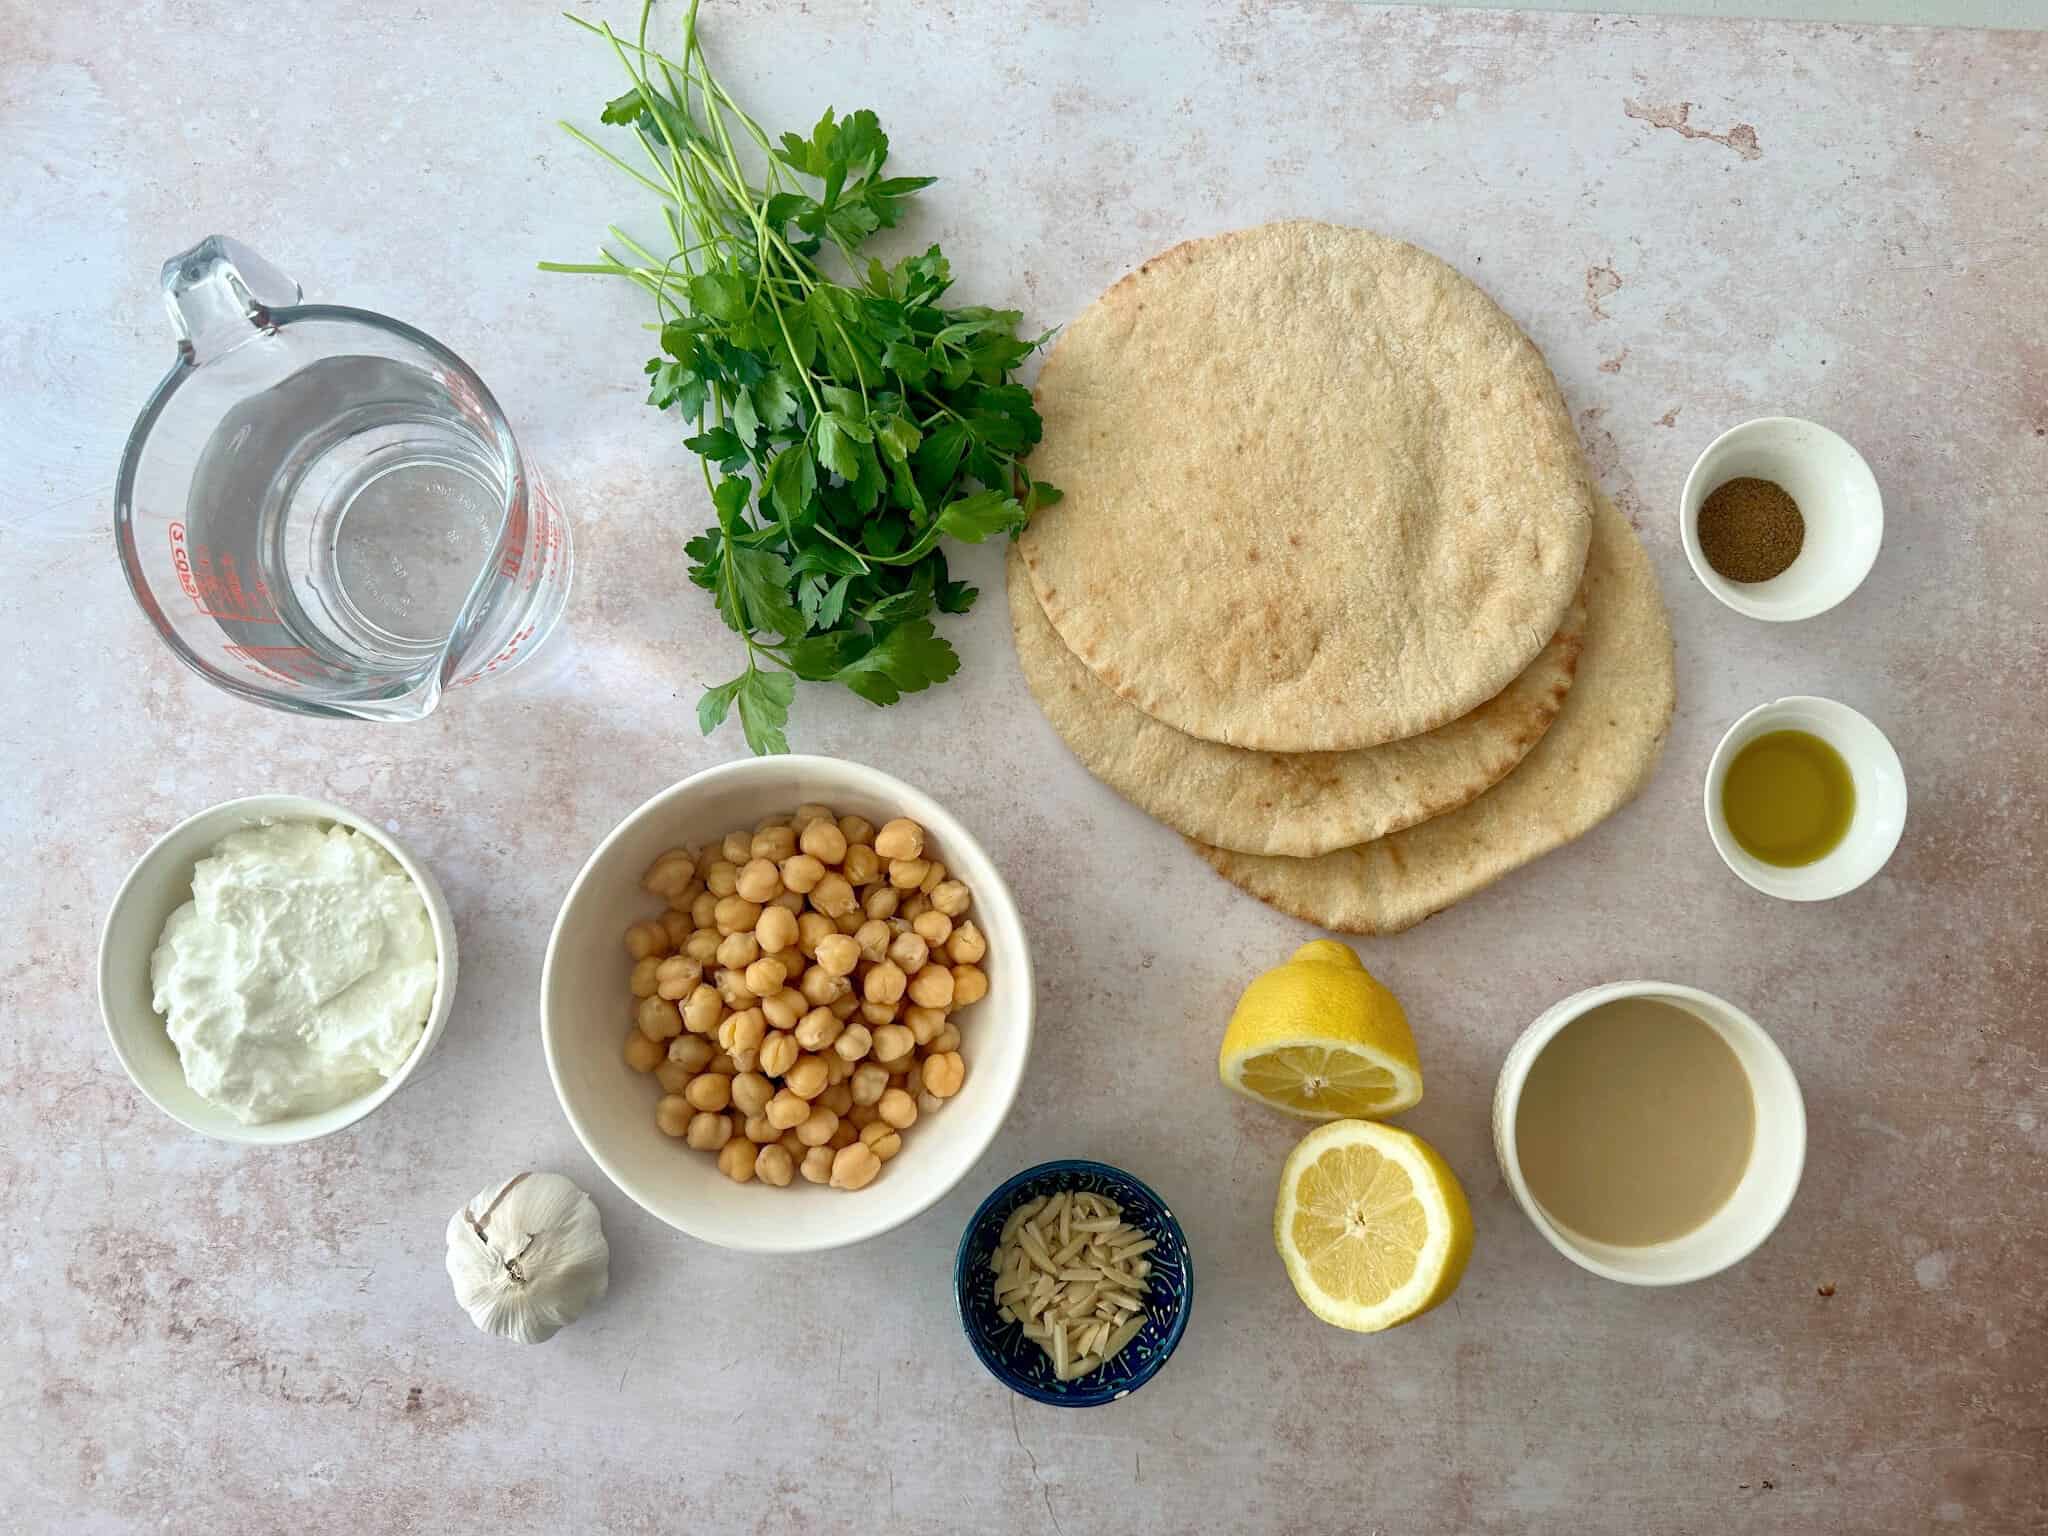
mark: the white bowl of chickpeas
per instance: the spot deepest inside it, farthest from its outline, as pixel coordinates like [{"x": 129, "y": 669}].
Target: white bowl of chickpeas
[{"x": 787, "y": 1004}]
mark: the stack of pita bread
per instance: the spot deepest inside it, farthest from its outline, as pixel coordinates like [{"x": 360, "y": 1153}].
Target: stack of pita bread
[{"x": 1330, "y": 591}]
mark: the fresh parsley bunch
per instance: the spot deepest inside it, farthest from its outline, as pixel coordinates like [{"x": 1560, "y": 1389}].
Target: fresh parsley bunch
[{"x": 844, "y": 428}]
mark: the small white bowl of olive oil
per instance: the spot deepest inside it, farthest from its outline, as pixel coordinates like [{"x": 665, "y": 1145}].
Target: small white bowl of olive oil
[{"x": 1805, "y": 799}]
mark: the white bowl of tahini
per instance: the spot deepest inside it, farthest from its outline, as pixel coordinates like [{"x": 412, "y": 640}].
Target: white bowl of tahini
[{"x": 159, "y": 885}]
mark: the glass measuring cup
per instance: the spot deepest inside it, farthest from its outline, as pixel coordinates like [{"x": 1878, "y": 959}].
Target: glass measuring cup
[{"x": 323, "y": 509}]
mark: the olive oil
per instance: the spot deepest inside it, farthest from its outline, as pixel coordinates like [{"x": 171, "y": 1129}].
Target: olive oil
[{"x": 1788, "y": 798}]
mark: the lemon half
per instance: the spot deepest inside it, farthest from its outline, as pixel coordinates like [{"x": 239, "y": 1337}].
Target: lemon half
[
  {"x": 1321, "y": 1038},
  {"x": 1372, "y": 1225}
]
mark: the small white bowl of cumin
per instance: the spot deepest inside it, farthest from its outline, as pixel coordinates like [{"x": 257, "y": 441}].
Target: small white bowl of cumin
[{"x": 1836, "y": 532}]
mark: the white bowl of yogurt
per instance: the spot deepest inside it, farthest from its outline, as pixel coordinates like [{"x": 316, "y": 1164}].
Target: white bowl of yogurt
[{"x": 161, "y": 883}]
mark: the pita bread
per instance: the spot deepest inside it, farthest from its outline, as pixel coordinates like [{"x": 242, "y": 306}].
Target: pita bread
[
  {"x": 1592, "y": 761},
  {"x": 1297, "y": 804},
  {"x": 1321, "y": 492}
]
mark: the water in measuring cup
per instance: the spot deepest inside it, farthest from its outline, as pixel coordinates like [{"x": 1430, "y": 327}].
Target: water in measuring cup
[{"x": 366, "y": 499}]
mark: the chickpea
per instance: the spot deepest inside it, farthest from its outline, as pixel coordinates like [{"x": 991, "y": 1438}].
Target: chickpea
[
  {"x": 736, "y": 848},
  {"x": 900, "y": 839},
  {"x": 908, "y": 874},
  {"x": 947, "y": 1039},
  {"x": 883, "y": 984},
  {"x": 812, "y": 928},
  {"x": 677, "y": 925},
  {"x": 909, "y": 952},
  {"x": 873, "y": 938},
  {"x": 785, "y": 1008},
  {"x": 672, "y": 1115},
  {"x": 673, "y": 1076},
  {"x": 970, "y": 985},
  {"x": 863, "y": 865},
  {"x": 792, "y": 1146},
  {"x": 838, "y": 955},
  {"x": 743, "y": 1031},
  {"x": 931, "y": 987},
  {"x": 847, "y": 1004},
  {"x": 867, "y": 1084},
  {"x": 766, "y": 976},
  {"x": 751, "y": 1093},
  {"x": 708, "y": 1132},
  {"x": 929, "y": 1103},
  {"x": 933, "y": 927},
  {"x": 677, "y": 977},
  {"x": 642, "y": 1054},
  {"x": 721, "y": 877},
  {"x": 791, "y": 902},
  {"x": 642, "y": 983},
  {"x": 809, "y": 812},
  {"x": 723, "y": 1065},
  {"x": 861, "y": 1116},
  {"x": 776, "y": 931},
  {"x": 837, "y": 1070},
  {"x": 736, "y": 914},
  {"x": 816, "y": 1166},
  {"x": 898, "y": 1108},
  {"x": 838, "y": 1098},
  {"x": 916, "y": 907},
  {"x": 854, "y": 1167},
  {"x": 934, "y": 877},
  {"x": 732, "y": 989},
  {"x": 702, "y": 945},
  {"x": 669, "y": 873},
  {"x": 833, "y": 896},
  {"x": 759, "y": 880},
  {"x": 853, "y": 1043},
  {"x": 818, "y": 1129},
  {"x": 850, "y": 923},
  {"x": 967, "y": 946},
  {"x": 878, "y": 1013},
  {"x": 882, "y": 1139},
  {"x": 801, "y": 873},
  {"x": 778, "y": 1053},
  {"x": 857, "y": 829},
  {"x": 708, "y": 1090},
  {"x": 823, "y": 841},
  {"x": 924, "y": 1023},
  {"x": 777, "y": 842},
  {"x": 881, "y": 903},
  {"x": 658, "y": 1019},
  {"x": 821, "y": 987},
  {"x": 893, "y": 1043},
  {"x": 807, "y": 1079},
  {"x": 944, "y": 1073},
  {"x": 702, "y": 1010},
  {"x": 703, "y": 910},
  {"x": 845, "y": 1136},
  {"x": 818, "y": 1029},
  {"x": 786, "y": 1111},
  {"x": 774, "y": 1166},
  {"x": 737, "y": 951},
  {"x": 645, "y": 939},
  {"x": 743, "y": 1059},
  {"x": 736, "y": 1160},
  {"x": 692, "y": 1053},
  {"x": 760, "y": 1130}
]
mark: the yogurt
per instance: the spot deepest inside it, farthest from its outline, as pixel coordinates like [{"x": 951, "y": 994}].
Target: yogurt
[{"x": 301, "y": 973}]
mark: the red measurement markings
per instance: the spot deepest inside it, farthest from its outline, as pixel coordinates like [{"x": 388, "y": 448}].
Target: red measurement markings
[
  {"x": 215, "y": 584},
  {"x": 291, "y": 663},
  {"x": 504, "y": 658}
]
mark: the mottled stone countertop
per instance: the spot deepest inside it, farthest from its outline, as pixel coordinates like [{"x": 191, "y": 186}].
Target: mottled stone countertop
[{"x": 1698, "y": 222}]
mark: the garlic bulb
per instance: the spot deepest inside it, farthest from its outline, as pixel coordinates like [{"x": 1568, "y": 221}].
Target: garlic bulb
[{"x": 528, "y": 1257}]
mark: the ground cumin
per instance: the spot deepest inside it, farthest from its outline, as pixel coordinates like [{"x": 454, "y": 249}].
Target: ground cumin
[{"x": 1750, "y": 529}]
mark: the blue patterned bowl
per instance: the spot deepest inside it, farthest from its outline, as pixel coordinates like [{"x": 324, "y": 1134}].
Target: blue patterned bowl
[{"x": 1020, "y": 1364}]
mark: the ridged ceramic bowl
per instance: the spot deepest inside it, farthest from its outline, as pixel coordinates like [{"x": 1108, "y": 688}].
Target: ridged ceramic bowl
[{"x": 1017, "y": 1362}]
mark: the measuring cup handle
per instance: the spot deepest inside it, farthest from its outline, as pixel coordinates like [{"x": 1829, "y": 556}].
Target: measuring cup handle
[{"x": 220, "y": 293}]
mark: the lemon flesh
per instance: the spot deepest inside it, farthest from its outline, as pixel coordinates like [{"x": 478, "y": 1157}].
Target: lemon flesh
[
  {"x": 1371, "y": 1225},
  {"x": 1321, "y": 1038}
]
